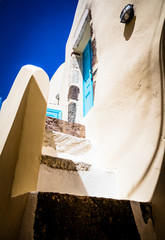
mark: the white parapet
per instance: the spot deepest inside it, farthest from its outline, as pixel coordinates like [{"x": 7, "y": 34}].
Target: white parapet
[{"x": 22, "y": 121}]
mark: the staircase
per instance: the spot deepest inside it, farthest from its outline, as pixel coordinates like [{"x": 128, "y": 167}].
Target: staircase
[
  {"x": 67, "y": 163},
  {"x": 63, "y": 216},
  {"x": 74, "y": 197}
]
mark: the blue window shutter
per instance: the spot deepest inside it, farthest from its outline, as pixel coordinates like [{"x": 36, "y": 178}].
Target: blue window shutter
[{"x": 54, "y": 113}]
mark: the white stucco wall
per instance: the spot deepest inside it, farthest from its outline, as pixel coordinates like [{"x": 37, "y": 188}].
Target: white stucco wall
[
  {"x": 126, "y": 121},
  {"x": 55, "y": 85},
  {"x": 55, "y": 88},
  {"x": 22, "y": 122}
]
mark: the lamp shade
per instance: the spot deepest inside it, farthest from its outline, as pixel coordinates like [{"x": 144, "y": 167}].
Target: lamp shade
[{"x": 127, "y": 14}]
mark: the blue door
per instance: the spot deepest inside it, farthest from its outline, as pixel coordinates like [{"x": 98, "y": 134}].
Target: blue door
[{"x": 87, "y": 79}]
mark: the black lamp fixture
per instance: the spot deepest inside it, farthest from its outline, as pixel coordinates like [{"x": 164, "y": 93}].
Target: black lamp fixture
[{"x": 127, "y": 14}]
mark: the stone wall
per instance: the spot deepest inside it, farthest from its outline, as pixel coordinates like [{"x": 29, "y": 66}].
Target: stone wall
[
  {"x": 94, "y": 57},
  {"x": 58, "y": 125},
  {"x": 74, "y": 84},
  {"x": 78, "y": 217}
]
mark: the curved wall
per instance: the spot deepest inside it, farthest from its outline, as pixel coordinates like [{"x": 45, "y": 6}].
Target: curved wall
[
  {"x": 127, "y": 119},
  {"x": 55, "y": 85}
]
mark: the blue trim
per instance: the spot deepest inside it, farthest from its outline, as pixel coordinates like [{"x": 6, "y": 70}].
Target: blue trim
[
  {"x": 87, "y": 79},
  {"x": 54, "y": 113}
]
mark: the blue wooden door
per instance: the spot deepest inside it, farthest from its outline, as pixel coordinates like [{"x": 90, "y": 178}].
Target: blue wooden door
[{"x": 87, "y": 79}]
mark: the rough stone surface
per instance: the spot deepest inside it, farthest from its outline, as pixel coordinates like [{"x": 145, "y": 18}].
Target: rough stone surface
[
  {"x": 94, "y": 87},
  {"x": 64, "y": 164},
  {"x": 94, "y": 73},
  {"x": 75, "y": 60},
  {"x": 65, "y": 143},
  {"x": 94, "y": 52},
  {"x": 72, "y": 109},
  {"x": 58, "y": 125},
  {"x": 74, "y": 76},
  {"x": 71, "y": 145},
  {"x": 63, "y": 216},
  {"x": 146, "y": 209},
  {"x": 94, "y": 58},
  {"x": 48, "y": 139},
  {"x": 73, "y": 93}
]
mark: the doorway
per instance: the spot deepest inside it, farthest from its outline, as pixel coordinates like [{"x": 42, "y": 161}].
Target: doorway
[{"x": 87, "y": 79}]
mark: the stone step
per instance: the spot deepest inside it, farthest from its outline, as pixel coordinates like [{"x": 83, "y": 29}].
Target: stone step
[
  {"x": 64, "y": 164},
  {"x": 56, "y": 144},
  {"x": 57, "y": 125},
  {"x": 63, "y": 216},
  {"x": 65, "y": 140},
  {"x": 72, "y": 145},
  {"x": 78, "y": 178}
]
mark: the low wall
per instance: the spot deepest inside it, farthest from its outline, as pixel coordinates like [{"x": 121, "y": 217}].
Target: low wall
[{"x": 22, "y": 120}]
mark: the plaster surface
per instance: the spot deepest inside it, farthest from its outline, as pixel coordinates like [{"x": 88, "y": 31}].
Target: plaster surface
[
  {"x": 126, "y": 121},
  {"x": 55, "y": 85},
  {"x": 93, "y": 182},
  {"x": 22, "y": 120}
]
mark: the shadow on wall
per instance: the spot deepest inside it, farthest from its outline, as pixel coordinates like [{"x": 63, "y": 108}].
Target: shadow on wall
[
  {"x": 11, "y": 208},
  {"x": 158, "y": 201},
  {"x": 22, "y": 120},
  {"x": 158, "y": 198},
  {"x": 61, "y": 181},
  {"x": 129, "y": 28}
]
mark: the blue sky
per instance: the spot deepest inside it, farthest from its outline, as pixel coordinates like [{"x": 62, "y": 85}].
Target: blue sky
[{"x": 32, "y": 32}]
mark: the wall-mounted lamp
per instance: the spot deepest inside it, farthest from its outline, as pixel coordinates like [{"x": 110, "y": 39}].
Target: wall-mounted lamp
[{"x": 127, "y": 14}]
